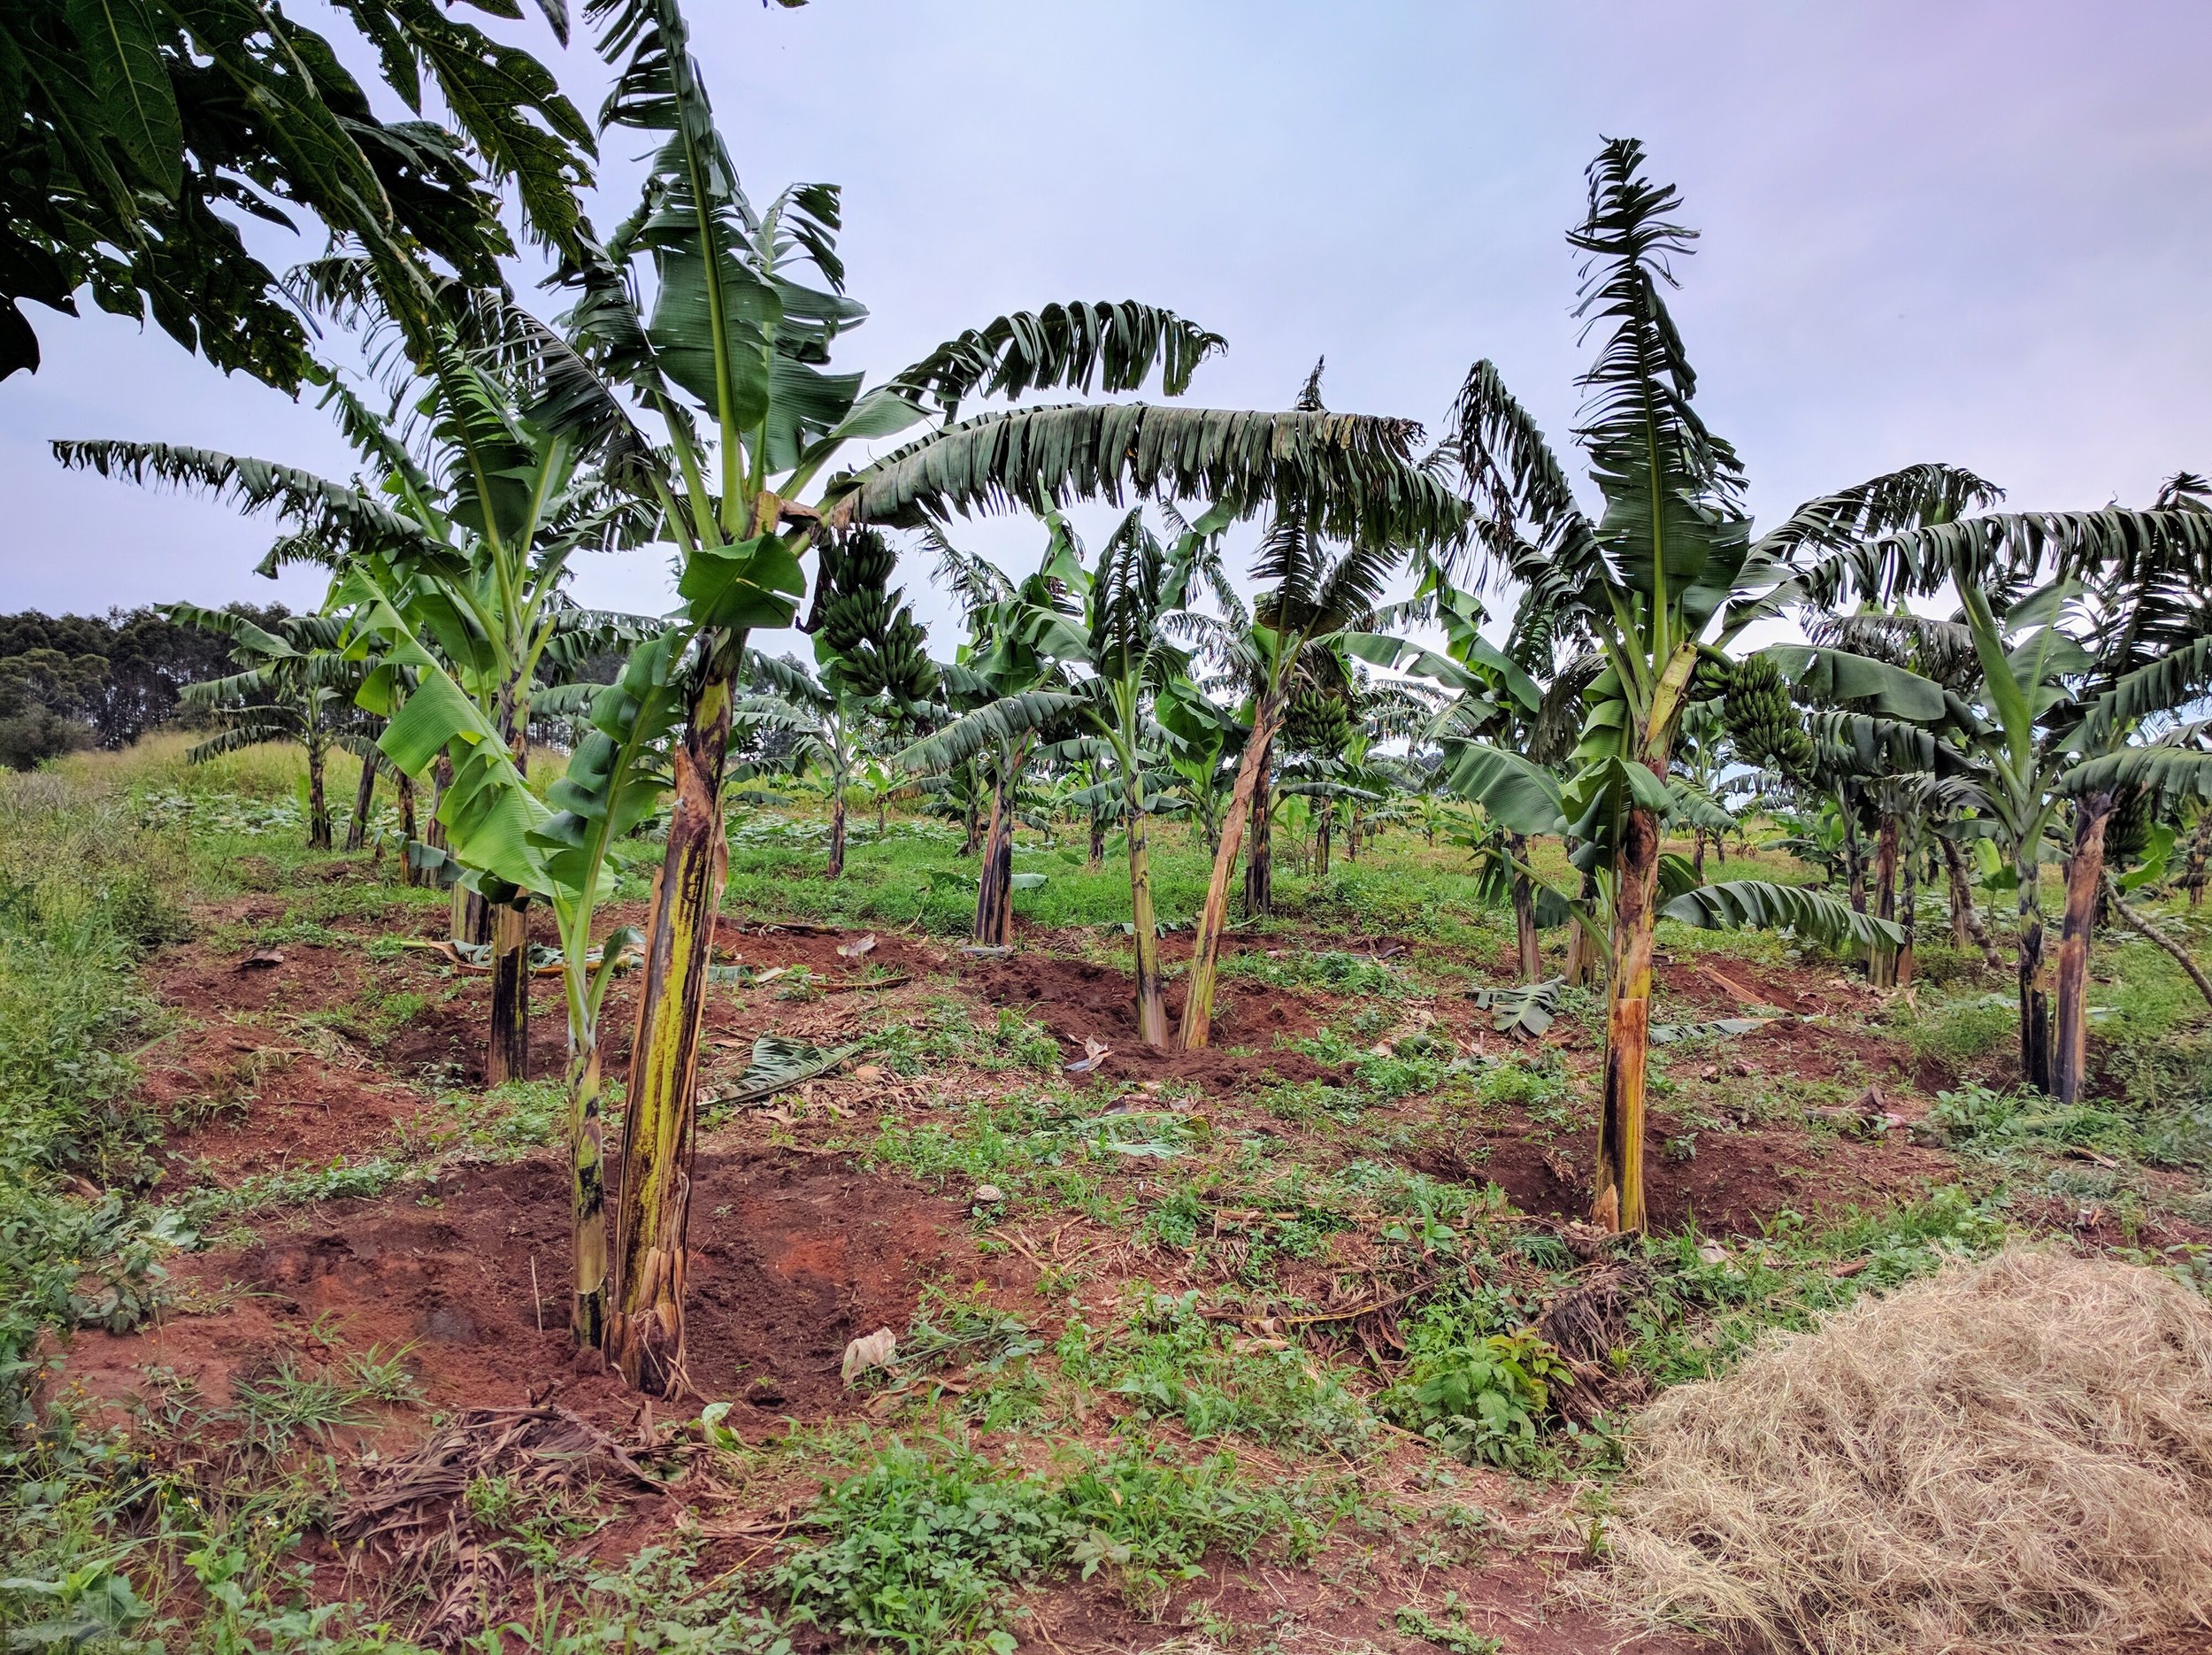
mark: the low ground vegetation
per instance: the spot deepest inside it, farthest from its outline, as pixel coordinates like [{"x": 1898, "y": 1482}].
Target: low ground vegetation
[{"x": 1295, "y": 1343}]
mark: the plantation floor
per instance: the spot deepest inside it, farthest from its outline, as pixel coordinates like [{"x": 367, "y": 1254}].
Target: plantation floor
[{"x": 1182, "y": 1285}]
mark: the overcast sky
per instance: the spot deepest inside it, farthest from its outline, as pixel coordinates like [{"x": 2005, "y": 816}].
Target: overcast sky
[{"x": 1968, "y": 232}]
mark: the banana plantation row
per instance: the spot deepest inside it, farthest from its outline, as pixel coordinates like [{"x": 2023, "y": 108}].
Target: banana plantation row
[{"x": 699, "y": 393}]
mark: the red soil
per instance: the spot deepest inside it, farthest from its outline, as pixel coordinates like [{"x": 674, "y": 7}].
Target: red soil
[
  {"x": 1733, "y": 1183},
  {"x": 1078, "y": 1000},
  {"x": 1511, "y": 1600},
  {"x": 794, "y": 1256}
]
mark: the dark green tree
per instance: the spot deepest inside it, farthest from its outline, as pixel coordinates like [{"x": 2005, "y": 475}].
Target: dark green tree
[{"x": 140, "y": 133}]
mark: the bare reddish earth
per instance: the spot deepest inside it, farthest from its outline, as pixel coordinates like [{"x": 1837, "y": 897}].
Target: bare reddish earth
[{"x": 794, "y": 1256}]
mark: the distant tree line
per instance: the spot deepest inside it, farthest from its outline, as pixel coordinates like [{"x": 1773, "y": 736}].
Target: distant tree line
[{"x": 71, "y": 682}]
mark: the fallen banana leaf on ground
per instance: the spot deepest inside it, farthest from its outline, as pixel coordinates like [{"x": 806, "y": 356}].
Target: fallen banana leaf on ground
[
  {"x": 777, "y": 1065},
  {"x": 891, "y": 982},
  {"x": 1666, "y": 1034},
  {"x": 1523, "y": 1010},
  {"x": 1095, "y": 1051},
  {"x": 544, "y": 961}
]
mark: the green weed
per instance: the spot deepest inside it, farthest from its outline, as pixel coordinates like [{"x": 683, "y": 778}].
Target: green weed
[
  {"x": 1169, "y": 1362},
  {"x": 1484, "y": 1400},
  {"x": 919, "y": 1553}
]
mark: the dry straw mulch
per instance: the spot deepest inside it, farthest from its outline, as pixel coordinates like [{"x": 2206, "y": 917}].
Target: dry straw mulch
[{"x": 2013, "y": 1458}]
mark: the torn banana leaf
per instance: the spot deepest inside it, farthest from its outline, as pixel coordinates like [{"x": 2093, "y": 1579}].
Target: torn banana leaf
[
  {"x": 545, "y": 960},
  {"x": 777, "y": 1065},
  {"x": 1667, "y": 1034},
  {"x": 1522, "y": 1009}
]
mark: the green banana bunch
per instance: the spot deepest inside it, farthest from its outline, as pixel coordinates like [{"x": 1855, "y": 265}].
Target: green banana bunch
[
  {"x": 2127, "y": 831},
  {"x": 878, "y": 645},
  {"x": 1767, "y": 729},
  {"x": 1316, "y": 723}
]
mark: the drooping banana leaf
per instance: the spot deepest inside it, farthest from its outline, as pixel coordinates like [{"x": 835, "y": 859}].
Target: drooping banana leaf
[{"x": 1757, "y": 904}]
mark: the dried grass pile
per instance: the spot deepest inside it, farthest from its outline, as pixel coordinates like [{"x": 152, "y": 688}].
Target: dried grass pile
[{"x": 2014, "y": 1456}]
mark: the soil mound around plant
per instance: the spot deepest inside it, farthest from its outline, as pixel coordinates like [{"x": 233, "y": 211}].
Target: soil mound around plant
[
  {"x": 1079, "y": 1000},
  {"x": 794, "y": 1256},
  {"x": 2014, "y": 1456},
  {"x": 1730, "y": 1183}
]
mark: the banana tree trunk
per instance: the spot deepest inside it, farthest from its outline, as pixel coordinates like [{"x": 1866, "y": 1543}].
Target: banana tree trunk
[
  {"x": 434, "y": 836},
  {"x": 995, "y": 885},
  {"x": 2034, "y": 973},
  {"x": 1881, "y": 959},
  {"x": 2196, "y": 872},
  {"x": 587, "y": 1190},
  {"x": 410, "y": 875},
  {"x": 969, "y": 817},
  {"x": 364, "y": 802},
  {"x": 1098, "y": 839},
  {"x": 2085, "y": 878},
  {"x": 1259, "y": 866},
  {"x": 1524, "y": 912},
  {"x": 1854, "y": 854},
  {"x": 1322, "y": 823},
  {"x": 506, "y": 926},
  {"x": 1618, "y": 1199},
  {"x": 318, "y": 801},
  {"x": 1908, "y": 919},
  {"x": 1582, "y": 954},
  {"x": 1205, "y": 958},
  {"x": 837, "y": 832},
  {"x": 507, "y": 1056},
  {"x": 1697, "y": 853},
  {"x": 645, "y": 1329},
  {"x": 471, "y": 918},
  {"x": 1151, "y": 999},
  {"x": 1959, "y": 893}
]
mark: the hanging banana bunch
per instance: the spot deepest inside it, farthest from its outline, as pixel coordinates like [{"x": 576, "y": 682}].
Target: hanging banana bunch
[
  {"x": 1766, "y": 728},
  {"x": 865, "y": 636},
  {"x": 1316, "y": 723}
]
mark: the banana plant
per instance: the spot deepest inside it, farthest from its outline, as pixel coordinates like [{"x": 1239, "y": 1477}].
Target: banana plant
[
  {"x": 869, "y": 651},
  {"x": 1493, "y": 698},
  {"x": 299, "y": 687},
  {"x": 2052, "y": 730},
  {"x": 562, "y": 849},
  {"x": 138, "y": 131},
  {"x": 1009, "y": 686},
  {"x": 1895, "y": 770},
  {"x": 2074, "y": 680},
  {"x": 1312, "y": 595},
  {"x": 1648, "y": 582},
  {"x": 832, "y": 729},
  {"x": 715, "y": 402},
  {"x": 467, "y": 518},
  {"x": 827, "y": 728},
  {"x": 1204, "y": 743},
  {"x": 1097, "y": 649}
]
